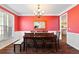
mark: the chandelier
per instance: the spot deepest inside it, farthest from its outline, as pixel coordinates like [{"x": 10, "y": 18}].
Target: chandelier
[{"x": 38, "y": 12}]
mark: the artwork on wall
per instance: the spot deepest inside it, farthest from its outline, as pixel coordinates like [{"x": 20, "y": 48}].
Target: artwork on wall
[{"x": 39, "y": 24}]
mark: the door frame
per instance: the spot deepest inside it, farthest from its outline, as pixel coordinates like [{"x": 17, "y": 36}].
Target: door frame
[{"x": 66, "y": 24}]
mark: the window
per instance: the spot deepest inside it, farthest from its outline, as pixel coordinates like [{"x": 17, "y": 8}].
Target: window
[
  {"x": 7, "y": 21},
  {"x": 6, "y": 25},
  {"x": 1, "y": 24}
]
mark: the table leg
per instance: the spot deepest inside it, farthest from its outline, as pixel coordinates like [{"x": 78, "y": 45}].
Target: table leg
[{"x": 24, "y": 45}]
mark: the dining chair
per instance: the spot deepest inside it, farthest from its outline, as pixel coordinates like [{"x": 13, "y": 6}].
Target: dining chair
[
  {"x": 38, "y": 43},
  {"x": 50, "y": 43},
  {"x": 57, "y": 39}
]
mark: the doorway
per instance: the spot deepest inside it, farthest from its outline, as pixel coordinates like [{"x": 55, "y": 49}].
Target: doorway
[{"x": 63, "y": 27}]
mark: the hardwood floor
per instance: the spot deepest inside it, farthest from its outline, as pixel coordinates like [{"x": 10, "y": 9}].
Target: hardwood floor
[{"x": 64, "y": 49}]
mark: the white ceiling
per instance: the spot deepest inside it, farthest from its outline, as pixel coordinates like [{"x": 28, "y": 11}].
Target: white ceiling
[{"x": 28, "y": 9}]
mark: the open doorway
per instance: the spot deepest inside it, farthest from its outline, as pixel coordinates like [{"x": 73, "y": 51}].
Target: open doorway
[{"x": 63, "y": 27}]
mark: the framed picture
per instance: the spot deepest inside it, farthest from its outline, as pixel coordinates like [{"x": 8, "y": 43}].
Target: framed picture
[{"x": 39, "y": 24}]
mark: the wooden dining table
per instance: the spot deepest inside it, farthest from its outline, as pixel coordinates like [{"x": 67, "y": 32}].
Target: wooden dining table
[{"x": 33, "y": 36}]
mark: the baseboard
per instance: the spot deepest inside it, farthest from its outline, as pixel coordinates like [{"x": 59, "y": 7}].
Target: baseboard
[{"x": 5, "y": 43}]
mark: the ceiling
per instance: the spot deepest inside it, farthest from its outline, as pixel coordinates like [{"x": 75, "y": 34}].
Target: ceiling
[{"x": 28, "y": 9}]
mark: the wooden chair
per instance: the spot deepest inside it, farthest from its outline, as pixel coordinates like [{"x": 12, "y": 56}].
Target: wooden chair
[
  {"x": 51, "y": 42},
  {"x": 57, "y": 39},
  {"x": 28, "y": 43},
  {"x": 37, "y": 43}
]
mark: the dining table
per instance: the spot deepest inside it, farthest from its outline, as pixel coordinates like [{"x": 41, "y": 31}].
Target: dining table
[{"x": 38, "y": 36}]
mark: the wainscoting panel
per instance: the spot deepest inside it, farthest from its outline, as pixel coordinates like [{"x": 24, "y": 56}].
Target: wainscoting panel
[{"x": 73, "y": 40}]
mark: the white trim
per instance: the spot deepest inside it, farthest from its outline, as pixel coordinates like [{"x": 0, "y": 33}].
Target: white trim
[
  {"x": 13, "y": 23},
  {"x": 5, "y": 43},
  {"x": 52, "y": 14},
  {"x": 73, "y": 39},
  {"x": 68, "y": 8},
  {"x": 5, "y": 12},
  {"x": 6, "y": 7},
  {"x": 66, "y": 24},
  {"x": 60, "y": 28}
]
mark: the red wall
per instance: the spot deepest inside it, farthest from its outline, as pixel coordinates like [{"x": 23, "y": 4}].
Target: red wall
[
  {"x": 73, "y": 19},
  {"x": 16, "y": 25},
  {"x": 15, "y": 18},
  {"x": 26, "y": 22}
]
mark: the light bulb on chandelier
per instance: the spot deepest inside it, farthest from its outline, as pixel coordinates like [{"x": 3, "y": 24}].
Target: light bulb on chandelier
[{"x": 38, "y": 12}]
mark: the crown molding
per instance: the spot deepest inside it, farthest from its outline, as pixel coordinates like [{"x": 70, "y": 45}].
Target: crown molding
[
  {"x": 68, "y": 8},
  {"x": 6, "y": 7}
]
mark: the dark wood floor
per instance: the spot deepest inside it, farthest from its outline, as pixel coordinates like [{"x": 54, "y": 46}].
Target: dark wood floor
[{"x": 65, "y": 49}]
